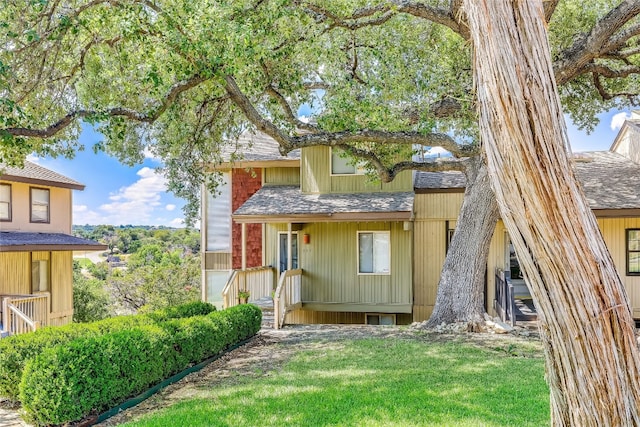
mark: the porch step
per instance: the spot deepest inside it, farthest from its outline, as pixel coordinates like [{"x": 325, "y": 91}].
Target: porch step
[{"x": 266, "y": 305}]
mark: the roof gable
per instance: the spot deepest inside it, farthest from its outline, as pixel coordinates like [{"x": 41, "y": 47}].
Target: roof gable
[{"x": 33, "y": 173}]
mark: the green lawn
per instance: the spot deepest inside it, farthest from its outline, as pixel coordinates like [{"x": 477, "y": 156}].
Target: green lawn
[{"x": 380, "y": 382}]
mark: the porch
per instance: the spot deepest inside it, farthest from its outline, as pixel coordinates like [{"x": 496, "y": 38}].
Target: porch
[
  {"x": 24, "y": 313},
  {"x": 513, "y": 302},
  {"x": 256, "y": 286}
]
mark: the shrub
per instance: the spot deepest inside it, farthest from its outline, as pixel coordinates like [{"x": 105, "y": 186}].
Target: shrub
[
  {"x": 69, "y": 381},
  {"x": 17, "y": 350}
]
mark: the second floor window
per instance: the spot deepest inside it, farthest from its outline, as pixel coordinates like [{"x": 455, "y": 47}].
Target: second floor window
[
  {"x": 343, "y": 164},
  {"x": 5, "y": 202},
  {"x": 39, "y": 205}
]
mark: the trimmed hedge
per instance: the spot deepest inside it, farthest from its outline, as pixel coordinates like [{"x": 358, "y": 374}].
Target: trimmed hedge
[
  {"x": 17, "y": 350},
  {"x": 91, "y": 374}
]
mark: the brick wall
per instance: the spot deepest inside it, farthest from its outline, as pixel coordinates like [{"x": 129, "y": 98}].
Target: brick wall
[{"x": 244, "y": 185}]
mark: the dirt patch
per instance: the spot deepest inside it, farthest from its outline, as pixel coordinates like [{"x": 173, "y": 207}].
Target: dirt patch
[{"x": 271, "y": 349}]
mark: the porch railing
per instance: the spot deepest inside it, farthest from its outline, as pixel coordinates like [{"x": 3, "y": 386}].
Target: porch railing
[
  {"x": 288, "y": 295},
  {"x": 505, "y": 303},
  {"x": 257, "y": 281},
  {"x": 24, "y": 313}
]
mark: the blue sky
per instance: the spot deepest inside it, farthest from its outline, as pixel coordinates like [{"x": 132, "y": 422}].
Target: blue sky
[{"x": 119, "y": 195}]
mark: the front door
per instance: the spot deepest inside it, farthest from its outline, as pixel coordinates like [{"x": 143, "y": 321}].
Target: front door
[{"x": 283, "y": 259}]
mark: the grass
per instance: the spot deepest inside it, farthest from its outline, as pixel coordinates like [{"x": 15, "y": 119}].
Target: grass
[
  {"x": 379, "y": 382},
  {"x": 84, "y": 262}
]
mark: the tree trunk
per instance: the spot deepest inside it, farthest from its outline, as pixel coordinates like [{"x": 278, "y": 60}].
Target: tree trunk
[
  {"x": 593, "y": 363},
  {"x": 462, "y": 280}
]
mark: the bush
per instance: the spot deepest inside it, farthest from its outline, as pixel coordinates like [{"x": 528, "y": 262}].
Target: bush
[
  {"x": 69, "y": 381},
  {"x": 17, "y": 350}
]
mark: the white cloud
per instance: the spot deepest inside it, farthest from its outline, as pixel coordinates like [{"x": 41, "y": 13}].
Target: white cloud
[
  {"x": 149, "y": 154},
  {"x": 618, "y": 120},
  {"x": 133, "y": 204},
  {"x": 33, "y": 158},
  {"x": 170, "y": 207},
  {"x": 304, "y": 119},
  {"x": 79, "y": 208},
  {"x": 177, "y": 223}
]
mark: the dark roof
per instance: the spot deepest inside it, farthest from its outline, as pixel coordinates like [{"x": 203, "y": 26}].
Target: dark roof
[
  {"x": 273, "y": 202},
  {"x": 24, "y": 241},
  {"x": 439, "y": 181},
  {"x": 610, "y": 180},
  {"x": 32, "y": 173},
  {"x": 254, "y": 147}
]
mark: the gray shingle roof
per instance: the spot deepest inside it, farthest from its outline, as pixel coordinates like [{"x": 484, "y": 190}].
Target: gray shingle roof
[
  {"x": 36, "y": 174},
  {"x": 290, "y": 201},
  {"x": 439, "y": 180},
  {"x": 253, "y": 147},
  {"x": 610, "y": 180},
  {"x": 19, "y": 240}
]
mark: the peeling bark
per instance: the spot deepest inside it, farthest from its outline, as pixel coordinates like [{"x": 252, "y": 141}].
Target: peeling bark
[
  {"x": 461, "y": 285},
  {"x": 593, "y": 362}
]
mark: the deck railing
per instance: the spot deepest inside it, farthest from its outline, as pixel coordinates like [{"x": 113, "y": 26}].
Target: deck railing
[
  {"x": 24, "y": 313},
  {"x": 505, "y": 303},
  {"x": 288, "y": 295},
  {"x": 257, "y": 281}
]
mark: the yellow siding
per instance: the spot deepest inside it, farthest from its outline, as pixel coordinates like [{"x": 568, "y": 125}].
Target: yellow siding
[
  {"x": 282, "y": 176},
  {"x": 317, "y": 178},
  {"x": 614, "y": 233},
  {"x": 59, "y": 210},
  {"x": 61, "y": 284},
  {"x": 305, "y": 317},
  {"x": 15, "y": 278},
  {"x": 217, "y": 260},
  {"x": 15, "y": 273},
  {"x": 445, "y": 206},
  {"x": 314, "y": 160},
  {"x": 330, "y": 264}
]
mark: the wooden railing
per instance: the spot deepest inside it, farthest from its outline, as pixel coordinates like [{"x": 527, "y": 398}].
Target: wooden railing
[
  {"x": 257, "y": 281},
  {"x": 288, "y": 295},
  {"x": 24, "y": 313},
  {"x": 505, "y": 300}
]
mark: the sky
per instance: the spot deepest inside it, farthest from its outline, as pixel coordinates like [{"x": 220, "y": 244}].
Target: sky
[{"x": 121, "y": 195}]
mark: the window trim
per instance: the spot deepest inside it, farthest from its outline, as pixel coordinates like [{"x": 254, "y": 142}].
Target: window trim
[
  {"x": 359, "y": 273},
  {"x": 358, "y": 167},
  {"x": 628, "y": 251},
  {"x": 10, "y": 218},
  {"x": 31, "y": 220},
  {"x": 280, "y": 233},
  {"x": 47, "y": 275}
]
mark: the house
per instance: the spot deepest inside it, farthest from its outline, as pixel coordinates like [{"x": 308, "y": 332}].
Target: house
[
  {"x": 341, "y": 248},
  {"x": 36, "y": 247}
]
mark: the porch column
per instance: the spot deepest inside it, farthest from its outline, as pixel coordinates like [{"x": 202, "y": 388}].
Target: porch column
[
  {"x": 289, "y": 247},
  {"x": 244, "y": 246}
]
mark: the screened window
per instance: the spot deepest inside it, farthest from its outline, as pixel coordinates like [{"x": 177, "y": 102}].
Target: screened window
[
  {"x": 39, "y": 205},
  {"x": 343, "y": 164},
  {"x": 5, "y": 202},
  {"x": 40, "y": 276},
  {"x": 374, "y": 252},
  {"x": 633, "y": 252}
]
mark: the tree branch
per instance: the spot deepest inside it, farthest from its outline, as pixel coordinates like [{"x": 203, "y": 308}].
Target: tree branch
[
  {"x": 133, "y": 115},
  {"x": 571, "y": 62}
]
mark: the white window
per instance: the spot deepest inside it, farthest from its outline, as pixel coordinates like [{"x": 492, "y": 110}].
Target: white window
[
  {"x": 5, "y": 202},
  {"x": 39, "y": 276},
  {"x": 39, "y": 205},
  {"x": 343, "y": 164},
  {"x": 374, "y": 251}
]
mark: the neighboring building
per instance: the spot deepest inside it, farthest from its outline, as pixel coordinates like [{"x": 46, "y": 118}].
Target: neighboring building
[
  {"x": 36, "y": 247},
  {"x": 373, "y": 252}
]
